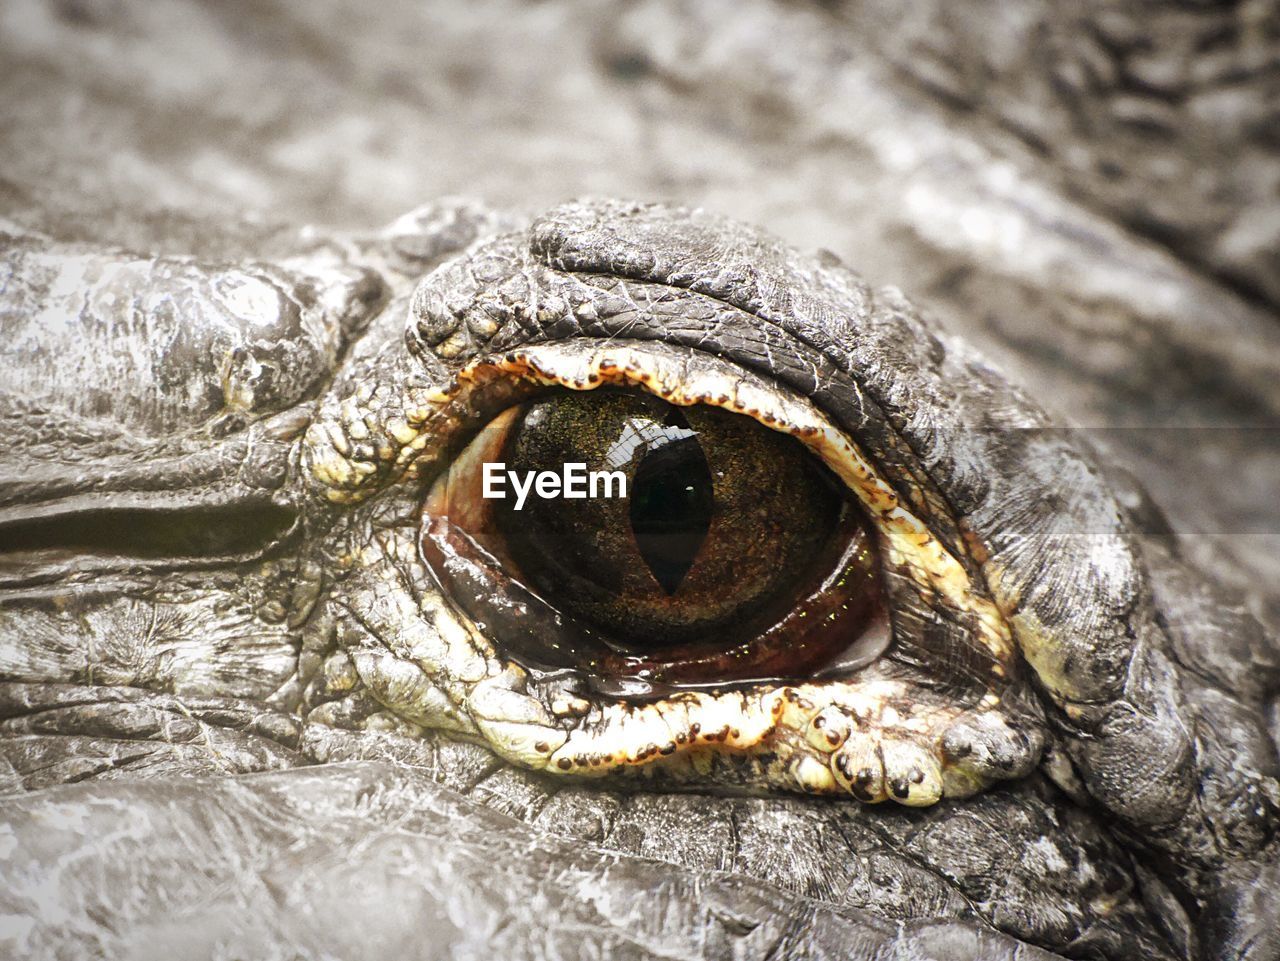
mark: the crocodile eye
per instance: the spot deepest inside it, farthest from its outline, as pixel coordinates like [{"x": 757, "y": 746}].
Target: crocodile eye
[
  {"x": 650, "y": 547},
  {"x": 784, "y": 597}
]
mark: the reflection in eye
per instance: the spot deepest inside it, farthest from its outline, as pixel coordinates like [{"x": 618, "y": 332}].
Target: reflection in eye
[{"x": 735, "y": 558}]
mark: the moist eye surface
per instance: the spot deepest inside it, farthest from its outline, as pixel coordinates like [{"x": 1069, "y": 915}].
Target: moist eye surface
[{"x": 733, "y": 555}]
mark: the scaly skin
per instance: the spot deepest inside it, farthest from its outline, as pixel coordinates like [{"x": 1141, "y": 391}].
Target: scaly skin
[
  {"x": 331, "y": 641},
  {"x": 284, "y": 742}
]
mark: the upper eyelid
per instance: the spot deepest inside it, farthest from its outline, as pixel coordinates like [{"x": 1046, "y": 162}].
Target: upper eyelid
[{"x": 533, "y": 292}]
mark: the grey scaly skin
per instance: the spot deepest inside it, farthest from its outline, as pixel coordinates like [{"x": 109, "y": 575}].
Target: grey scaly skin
[{"x": 1091, "y": 705}]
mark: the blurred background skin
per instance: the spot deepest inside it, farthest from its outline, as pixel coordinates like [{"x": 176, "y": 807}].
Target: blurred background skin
[{"x": 1089, "y": 193}]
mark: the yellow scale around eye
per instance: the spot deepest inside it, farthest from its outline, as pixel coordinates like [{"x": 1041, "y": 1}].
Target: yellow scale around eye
[{"x": 870, "y": 737}]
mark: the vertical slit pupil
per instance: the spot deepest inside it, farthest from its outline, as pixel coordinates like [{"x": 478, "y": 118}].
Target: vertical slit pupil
[{"x": 672, "y": 502}]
